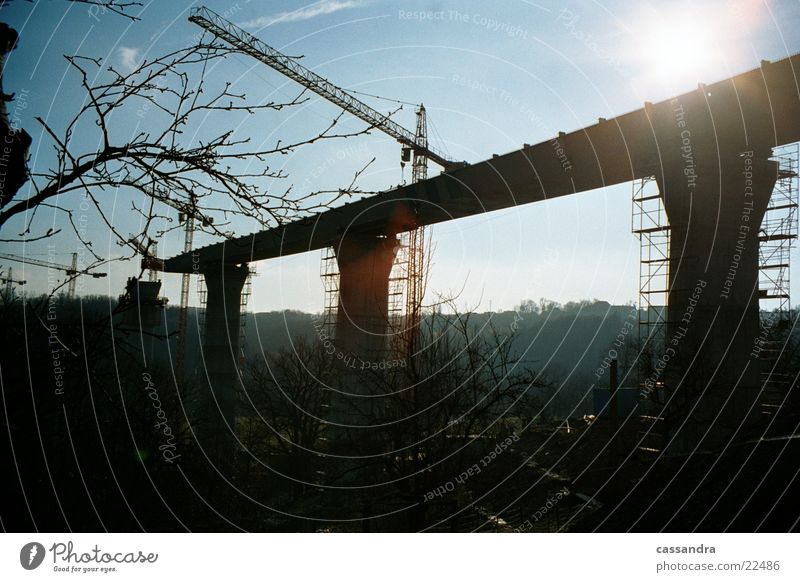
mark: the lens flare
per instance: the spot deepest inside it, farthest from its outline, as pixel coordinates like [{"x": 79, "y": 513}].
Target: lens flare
[{"x": 678, "y": 49}]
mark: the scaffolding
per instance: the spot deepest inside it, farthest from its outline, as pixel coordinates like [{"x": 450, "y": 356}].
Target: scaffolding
[
  {"x": 202, "y": 294},
  {"x": 406, "y": 288},
  {"x": 650, "y": 224},
  {"x": 419, "y": 250},
  {"x": 406, "y": 280},
  {"x": 777, "y": 235},
  {"x": 186, "y": 281},
  {"x": 776, "y": 240},
  {"x": 407, "y": 277},
  {"x": 397, "y": 290},
  {"x": 247, "y": 291},
  {"x": 329, "y": 273},
  {"x": 411, "y": 263}
]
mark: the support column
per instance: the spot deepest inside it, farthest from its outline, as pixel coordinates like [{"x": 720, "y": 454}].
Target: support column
[
  {"x": 363, "y": 312},
  {"x": 715, "y": 203},
  {"x": 224, "y": 285},
  {"x": 365, "y": 263}
]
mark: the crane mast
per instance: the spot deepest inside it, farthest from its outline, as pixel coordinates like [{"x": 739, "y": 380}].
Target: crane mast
[
  {"x": 10, "y": 281},
  {"x": 415, "y": 243},
  {"x": 183, "y": 312},
  {"x": 419, "y": 167},
  {"x": 188, "y": 219}
]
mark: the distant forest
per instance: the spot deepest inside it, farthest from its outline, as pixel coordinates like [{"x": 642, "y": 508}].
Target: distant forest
[
  {"x": 80, "y": 384},
  {"x": 566, "y": 343}
]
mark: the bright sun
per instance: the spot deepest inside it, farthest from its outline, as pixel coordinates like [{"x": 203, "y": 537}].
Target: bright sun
[
  {"x": 677, "y": 50},
  {"x": 672, "y": 49}
]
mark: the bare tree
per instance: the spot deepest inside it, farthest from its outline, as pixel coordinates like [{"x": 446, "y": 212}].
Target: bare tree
[
  {"x": 432, "y": 417},
  {"x": 209, "y": 178},
  {"x": 287, "y": 389},
  {"x": 15, "y": 138},
  {"x": 282, "y": 427},
  {"x": 461, "y": 392},
  {"x": 120, "y": 7}
]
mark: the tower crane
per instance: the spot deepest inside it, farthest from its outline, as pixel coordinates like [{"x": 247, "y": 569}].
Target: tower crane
[
  {"x": 415, "y": 144},
  {"x": 9, "y": 280},
  {"x": 249, "y": 44},
  {"x": 71, "y": 270},
  {"x": 188, "y": 219}
]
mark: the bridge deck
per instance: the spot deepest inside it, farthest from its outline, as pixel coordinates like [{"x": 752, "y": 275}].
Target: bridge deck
[{"x": 755, "y": 111}]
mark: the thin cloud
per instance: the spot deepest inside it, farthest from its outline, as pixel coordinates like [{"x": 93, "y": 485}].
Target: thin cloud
[
  {"x": 320, "y": 8},
  {"x": 128, "y": 58}
]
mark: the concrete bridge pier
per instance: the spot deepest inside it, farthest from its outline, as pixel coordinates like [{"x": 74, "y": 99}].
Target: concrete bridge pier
[
  {"x": 224, "y": 284},
  {"x": 715, "y": 209},
  {"x": 365, "y": 262}
]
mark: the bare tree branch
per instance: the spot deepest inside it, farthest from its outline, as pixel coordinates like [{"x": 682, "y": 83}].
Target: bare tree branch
[
  {"x": 206, "y": 178},
  {"x": 120, "y": 7}
]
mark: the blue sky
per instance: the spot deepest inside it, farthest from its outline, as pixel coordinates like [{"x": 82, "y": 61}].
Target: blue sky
[{"x": 492, "y": 77}]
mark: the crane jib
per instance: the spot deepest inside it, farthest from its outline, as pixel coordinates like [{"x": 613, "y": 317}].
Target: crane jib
[{"x": 249, "y": 44}]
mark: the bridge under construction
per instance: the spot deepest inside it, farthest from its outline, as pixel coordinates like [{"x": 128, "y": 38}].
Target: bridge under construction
[{"x": 709, "y": 154}]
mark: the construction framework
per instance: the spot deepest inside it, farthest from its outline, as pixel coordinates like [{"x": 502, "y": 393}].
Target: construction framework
[
  {"x": 650, "y": 224},
  {"x": 329, "y": 273},
  {"x": 407, "y": 280},
  {"x": 776, "y": 240},
  {"x": 202, "y": 294},
  {"x": 183, "y": 306},
  {"x": 727, "y": 118},
  {"x": 247, "y": 291},
  {"x": 777, "y": 235}
]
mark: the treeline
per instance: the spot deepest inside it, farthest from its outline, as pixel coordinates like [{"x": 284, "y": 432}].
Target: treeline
[{"x": 102, "y": 432}]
